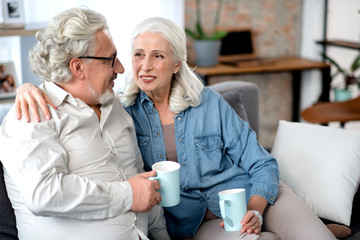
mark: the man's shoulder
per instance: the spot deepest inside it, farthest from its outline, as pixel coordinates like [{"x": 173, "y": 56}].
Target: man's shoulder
[{"x": 119, "y": 111}]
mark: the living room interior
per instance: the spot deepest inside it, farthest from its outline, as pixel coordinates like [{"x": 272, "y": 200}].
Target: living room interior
[{"x": 280, "y": 29}]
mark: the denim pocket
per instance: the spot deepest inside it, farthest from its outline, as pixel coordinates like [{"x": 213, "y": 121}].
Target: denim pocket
[{"x": 208, "y": 155}]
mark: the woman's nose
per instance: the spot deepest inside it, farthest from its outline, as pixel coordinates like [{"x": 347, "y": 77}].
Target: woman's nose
[{"x": 147, "y": 64}]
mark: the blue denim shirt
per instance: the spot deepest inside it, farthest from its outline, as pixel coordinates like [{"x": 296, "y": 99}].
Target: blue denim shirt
[{"x": 216, "y": 150}]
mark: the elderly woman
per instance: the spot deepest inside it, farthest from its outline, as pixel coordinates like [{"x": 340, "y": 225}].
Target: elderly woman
[{"x": 178, "y": 119}]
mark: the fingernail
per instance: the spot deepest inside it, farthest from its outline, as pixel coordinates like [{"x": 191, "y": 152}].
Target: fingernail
[{"x": 47, "y": 117}]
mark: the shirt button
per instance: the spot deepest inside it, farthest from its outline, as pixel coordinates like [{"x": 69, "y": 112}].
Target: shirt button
[
  {"x": 179, "y": 118},
  {"x": 158, "y": 133},
  {"x": 179, "y": 139},
  {"x": 183, "y": 164},
  {"x": 161, "y": 156}
]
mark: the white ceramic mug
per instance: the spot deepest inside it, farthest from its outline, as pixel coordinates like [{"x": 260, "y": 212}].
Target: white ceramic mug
[
  {"x": 168, "y": 175},
  {"x": 233, "y": 208}
]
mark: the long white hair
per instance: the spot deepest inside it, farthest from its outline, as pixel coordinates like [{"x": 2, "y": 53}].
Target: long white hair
[{"x": 186, "y": 86}]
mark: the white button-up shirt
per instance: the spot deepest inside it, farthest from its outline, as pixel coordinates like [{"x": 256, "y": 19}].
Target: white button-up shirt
[{"x": 66, "y": 177}]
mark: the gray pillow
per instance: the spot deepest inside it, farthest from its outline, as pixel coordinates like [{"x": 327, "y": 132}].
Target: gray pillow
[{"x": 233, "y": 98}]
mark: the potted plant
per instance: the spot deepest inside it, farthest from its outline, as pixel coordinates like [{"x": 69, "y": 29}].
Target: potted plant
[
  {"x": 343, "y": 92},
  {"x": 207, "y": 46}
]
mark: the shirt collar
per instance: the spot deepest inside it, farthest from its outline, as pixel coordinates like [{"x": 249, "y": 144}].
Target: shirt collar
[
  {"x": 144, "y": 97},
  {"x": 57, "y": 94}
]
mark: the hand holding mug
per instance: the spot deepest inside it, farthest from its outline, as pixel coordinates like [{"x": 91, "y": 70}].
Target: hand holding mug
[
  {"x": 145, "y": 195},
  {"x": 252, "y": 222},
  {"x": 233, "y": 208}
]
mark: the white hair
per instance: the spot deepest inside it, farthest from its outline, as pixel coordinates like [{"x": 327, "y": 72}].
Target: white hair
[
  {"x": 186, "y": 86},
  {"x": 70, "y": 34}
]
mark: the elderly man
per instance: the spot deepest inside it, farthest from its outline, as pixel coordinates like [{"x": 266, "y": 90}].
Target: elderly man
[{"x": 76, "y": 176}]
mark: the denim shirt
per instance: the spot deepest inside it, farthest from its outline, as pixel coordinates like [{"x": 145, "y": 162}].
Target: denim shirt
[{"x": 216, "y": 150}]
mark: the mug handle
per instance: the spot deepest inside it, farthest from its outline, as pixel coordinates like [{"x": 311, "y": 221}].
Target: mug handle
[
  {"x": 223, "y": 204},
  {"x": 154, "y": 178}
]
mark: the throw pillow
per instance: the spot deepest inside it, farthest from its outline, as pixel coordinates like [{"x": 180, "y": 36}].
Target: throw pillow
[{"x": 321, "y": 165}]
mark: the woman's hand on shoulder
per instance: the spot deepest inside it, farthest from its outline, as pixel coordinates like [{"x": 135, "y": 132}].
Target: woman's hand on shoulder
[{"x": 27, "y": 95}]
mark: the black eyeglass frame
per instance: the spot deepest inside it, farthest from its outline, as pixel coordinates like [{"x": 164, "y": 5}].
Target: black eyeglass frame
[{"x": 113, "y": 58}]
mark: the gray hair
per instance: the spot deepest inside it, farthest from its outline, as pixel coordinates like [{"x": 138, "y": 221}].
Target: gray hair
[
  {"x": 186, "y": 86},
  {"x": 70, "y": 34}
]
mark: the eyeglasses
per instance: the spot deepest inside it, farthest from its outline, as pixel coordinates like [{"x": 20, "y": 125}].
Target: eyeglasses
[{"x": 113, "y": 58}]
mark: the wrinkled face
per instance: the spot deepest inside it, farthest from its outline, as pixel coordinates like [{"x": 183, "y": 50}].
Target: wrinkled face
[
  {"x": 153, "y": 63},
  {"x": 100, "y": 73}
]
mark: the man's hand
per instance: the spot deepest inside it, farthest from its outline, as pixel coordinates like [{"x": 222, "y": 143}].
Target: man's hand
[
  {"x": 145, "y": 195},
  {"x": 27, "y": 95}
]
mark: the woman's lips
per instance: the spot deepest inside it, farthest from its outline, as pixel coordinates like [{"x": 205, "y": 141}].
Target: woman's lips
[{"x": 147, "y": 79}]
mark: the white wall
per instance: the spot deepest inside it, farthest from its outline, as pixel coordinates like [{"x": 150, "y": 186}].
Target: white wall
[
  {"x": 312, "y": 30},
  {"x": 122, "y": 16},
  {"x": 343, "y": 23}
]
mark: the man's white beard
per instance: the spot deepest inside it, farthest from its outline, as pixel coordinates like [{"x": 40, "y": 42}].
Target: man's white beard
[{"x": 102, "y": 98}]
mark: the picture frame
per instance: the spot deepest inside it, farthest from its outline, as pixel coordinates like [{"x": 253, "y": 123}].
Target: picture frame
[
  {"x": 8, "y": 80},
  {"x": 13, "y": 12}
]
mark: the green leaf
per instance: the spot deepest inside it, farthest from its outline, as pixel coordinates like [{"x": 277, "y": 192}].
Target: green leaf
[
  {"x": 201, "y": 34},
  {"x": 340, "y": 69},
  {"x": 356, "y": 64},
  {"x": 191, "y": 34},
  {"x": 218, "y": 35}
]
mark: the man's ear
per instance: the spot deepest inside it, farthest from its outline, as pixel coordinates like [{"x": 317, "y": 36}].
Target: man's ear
[{"x": 77, "y": 68}]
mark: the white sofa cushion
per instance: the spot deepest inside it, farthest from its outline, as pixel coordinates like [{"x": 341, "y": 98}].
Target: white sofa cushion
[{"x": 321, "y": 165}]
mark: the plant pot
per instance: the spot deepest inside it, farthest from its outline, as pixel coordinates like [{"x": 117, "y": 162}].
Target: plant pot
[
  {"x": 342, "y": 95},
  {"x": 207, "y": 52}
]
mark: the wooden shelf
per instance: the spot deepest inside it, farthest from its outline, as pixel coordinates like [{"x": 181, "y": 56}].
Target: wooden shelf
[
  {"x": 29, "y": 30},
  {"x": 280, "y": 64},
  {"x": 340, "y": 43}
]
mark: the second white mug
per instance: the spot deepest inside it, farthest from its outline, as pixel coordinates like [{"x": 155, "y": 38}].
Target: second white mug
[{"x": 233, "y": 208}]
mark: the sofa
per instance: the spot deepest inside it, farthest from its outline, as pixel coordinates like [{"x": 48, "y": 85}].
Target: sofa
[{"x": 243, "y": 97}]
